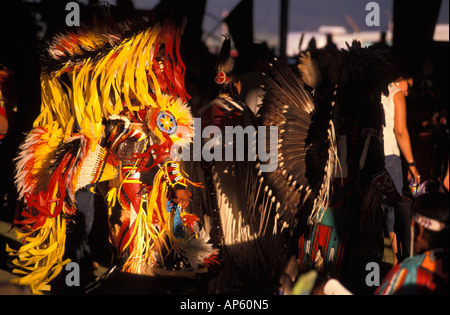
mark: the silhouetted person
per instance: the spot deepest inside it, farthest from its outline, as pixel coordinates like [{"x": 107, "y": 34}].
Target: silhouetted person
[
  {"x": 312, "y": 47},
  {"x": 330, "y": 44}
]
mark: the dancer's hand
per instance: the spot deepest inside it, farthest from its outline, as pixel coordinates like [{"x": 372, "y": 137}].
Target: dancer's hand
[{"x": 182, "y": 197}]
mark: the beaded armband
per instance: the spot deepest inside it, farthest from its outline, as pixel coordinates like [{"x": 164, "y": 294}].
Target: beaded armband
[{"x": 174, "y": 175}]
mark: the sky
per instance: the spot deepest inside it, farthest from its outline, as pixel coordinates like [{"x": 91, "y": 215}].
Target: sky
[{"x": 304, "y": 15}]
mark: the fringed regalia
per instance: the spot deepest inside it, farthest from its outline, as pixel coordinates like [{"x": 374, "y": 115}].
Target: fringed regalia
[{"x": 114, "y": 111}]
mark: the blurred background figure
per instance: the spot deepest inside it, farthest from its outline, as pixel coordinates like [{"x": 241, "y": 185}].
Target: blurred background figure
[
  {"x": 396, "y": 143},
  {"x": 7, "y": 104},
  {"x": 427, "y": 271}
]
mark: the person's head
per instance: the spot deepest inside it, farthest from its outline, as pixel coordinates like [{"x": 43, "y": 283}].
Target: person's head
[
  {"x": 404, "y": 83},
  {"x": 430, "y": 221}
]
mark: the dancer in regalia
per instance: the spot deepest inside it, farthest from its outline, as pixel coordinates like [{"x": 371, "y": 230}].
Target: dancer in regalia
[
  {"x": 227, "y": 208},
  {"x": 114, "y": 114},
  {"x": 321, "y": 207}
]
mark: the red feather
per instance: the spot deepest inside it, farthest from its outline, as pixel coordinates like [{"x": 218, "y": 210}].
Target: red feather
[{"x": 189, "y": 220}]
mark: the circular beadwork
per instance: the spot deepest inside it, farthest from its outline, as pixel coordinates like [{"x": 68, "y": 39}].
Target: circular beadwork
[{"x": 166, "y": 122}]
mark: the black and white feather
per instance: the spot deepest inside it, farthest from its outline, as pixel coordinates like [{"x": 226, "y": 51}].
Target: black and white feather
[{"x": 276, "y": 199}]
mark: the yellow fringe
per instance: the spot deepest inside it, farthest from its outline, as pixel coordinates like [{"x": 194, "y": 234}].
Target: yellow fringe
[
  {"x": 123, "y": 71},
  {"x": 40, "y": 260}
]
